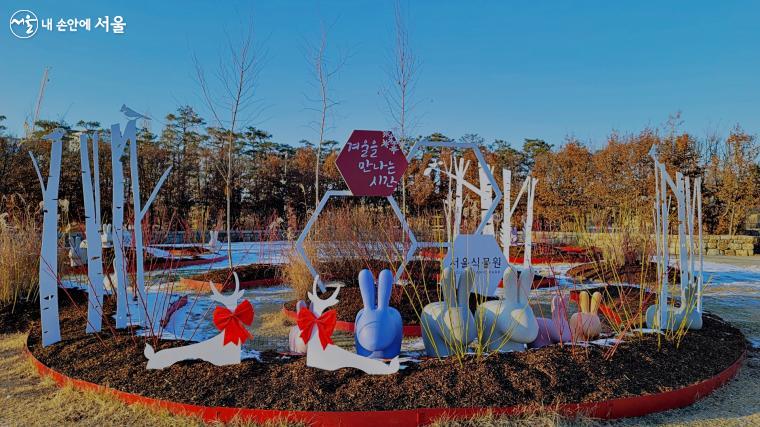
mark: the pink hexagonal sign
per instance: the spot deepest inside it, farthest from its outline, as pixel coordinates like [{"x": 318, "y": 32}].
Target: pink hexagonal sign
[{"x": 371, "y": 163}]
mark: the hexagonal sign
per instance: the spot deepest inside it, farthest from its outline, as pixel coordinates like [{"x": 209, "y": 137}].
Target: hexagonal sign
[
  {"x": 371, "y": 163},
  {"x": 480, "y": 252}
]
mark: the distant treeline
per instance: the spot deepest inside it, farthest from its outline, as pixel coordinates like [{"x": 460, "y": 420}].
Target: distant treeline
[{"x": 576, "y": 182}]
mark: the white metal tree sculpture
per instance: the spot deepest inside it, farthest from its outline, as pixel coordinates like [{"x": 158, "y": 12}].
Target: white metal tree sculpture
[
  {"x": 118, "y": 144},
  {"x": 140, "y": 212},
  {"x": 529, "y": 185},
  {"x": 48, "y": 271},
  {"x": 91, "y": 196},
  {"x": 486, "y": 199},
  {"x": 688, "y": 315},
  {"x": 528, "y": 225}
]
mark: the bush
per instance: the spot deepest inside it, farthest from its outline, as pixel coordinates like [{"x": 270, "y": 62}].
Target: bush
[{"x": 19, "y": 251}]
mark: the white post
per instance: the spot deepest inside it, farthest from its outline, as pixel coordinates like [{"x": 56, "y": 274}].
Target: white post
[
  {"x": 664, "y": 213},
  {"x": 700, "y": 277},
  {"x": 683, "y": 262},
  {"x": 118, "y": 144},
  {"x": 140, "y": 213},
  {"x": 506, "y": 220},
  {"x": 486, "y": 199},
  {"x": 92, "y": 229},
  {"x": 48, "y": 271},
  {"x": 528, "y": 238},
  {"x": 460, "y": 171}
]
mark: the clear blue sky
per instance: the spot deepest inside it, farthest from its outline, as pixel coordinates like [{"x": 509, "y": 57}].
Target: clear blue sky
[{"x": 508, "y": 70}]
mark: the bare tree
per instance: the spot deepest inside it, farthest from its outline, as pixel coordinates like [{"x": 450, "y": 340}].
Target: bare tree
[
  {"x": 402, "y": 76},
  {"x": 323, "y": 71},
  {"x": 236, "y": 76}
]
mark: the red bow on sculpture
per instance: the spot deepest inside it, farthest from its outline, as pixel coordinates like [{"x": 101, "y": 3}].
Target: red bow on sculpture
[
  {"x": 233, "y": 323},
  {"x": 325, "y": 325}
]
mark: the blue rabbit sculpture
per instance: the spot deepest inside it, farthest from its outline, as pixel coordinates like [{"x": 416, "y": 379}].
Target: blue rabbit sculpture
[{"x": 378, "y": 327}]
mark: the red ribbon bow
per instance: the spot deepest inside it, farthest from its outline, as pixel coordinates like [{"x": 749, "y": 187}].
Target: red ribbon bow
[
  {"x": 233, "y": 324},
  {"x": 325, "y": 325}
]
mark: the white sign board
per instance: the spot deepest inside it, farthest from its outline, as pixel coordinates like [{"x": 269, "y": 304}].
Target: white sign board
[{"x": 482, "y": 254}]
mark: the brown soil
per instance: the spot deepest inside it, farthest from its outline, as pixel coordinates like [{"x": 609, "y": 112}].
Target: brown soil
[
  {"x": 549, "y": 375},
  {"x": 408, "y": 300},
  {"x": 559, "y": 254},
  {"x": 18, "y": 317},
  {"x": 629, "y": 273},
  {"x": 246, "y": 273}
]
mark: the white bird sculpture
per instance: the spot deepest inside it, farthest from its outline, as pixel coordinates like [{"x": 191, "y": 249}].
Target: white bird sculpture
[{"x": 132, "y": 114}]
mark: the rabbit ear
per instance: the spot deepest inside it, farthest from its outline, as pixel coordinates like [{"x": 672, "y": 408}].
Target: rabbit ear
[
  {"x": 596, "y": 299},
  {"x": 526, "y": 283},
  {"x": 299, "y": 305},
  {"x": 583, "y": 301},
  {"x": 448, "y": 286},
  {"x": 384, "y": 287},
  {"x": 367, "y": 288},
  {"x": 465, "y": 286},
  {"x": 559, "y": 305},
  {"x": 509, "y": 281}
]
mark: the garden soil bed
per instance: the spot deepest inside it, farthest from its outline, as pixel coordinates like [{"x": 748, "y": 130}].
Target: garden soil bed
[
  {"x": 630, "y": 273},
  {"x": 250, "y": 276},
  {"x": 19, "y": 317},
  {"x": 550, "y": 375}
]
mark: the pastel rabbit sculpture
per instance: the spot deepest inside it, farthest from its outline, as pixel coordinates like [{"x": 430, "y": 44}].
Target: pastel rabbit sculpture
[
  {"x": 508, "y": 324},
  {"x": 585, "y": 324},
  {"x": 556, "y": 329},
  {"x": 296, "y": 344},
  {"x": 378, "y": 326},
  {"x": 448, "y": 326}
]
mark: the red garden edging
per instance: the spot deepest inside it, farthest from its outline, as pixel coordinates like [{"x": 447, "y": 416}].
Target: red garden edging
[
  {"x": 407, "y": 330},
  {"x": 609, "y": 409},
  {"x": 166, "y": 264}
]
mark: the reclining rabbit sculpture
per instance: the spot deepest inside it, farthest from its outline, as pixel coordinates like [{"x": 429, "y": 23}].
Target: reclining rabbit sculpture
[
  {"x": 556, "y": 329},
  {"x": 317, "y": 326},
  {"x": 223, "y": 348},
  {"x": 296, "y": 344},
  {"x": 378, "y": 326},
  {"x": 509, "y": 324},
  {"x": 448, "y": 326},
  {"x": 585, "y": 324}
]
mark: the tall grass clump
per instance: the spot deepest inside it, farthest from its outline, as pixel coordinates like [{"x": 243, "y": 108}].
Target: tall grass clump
[
  {"x": 345, "y": 240},
  {"x": 19, "y": 251}
]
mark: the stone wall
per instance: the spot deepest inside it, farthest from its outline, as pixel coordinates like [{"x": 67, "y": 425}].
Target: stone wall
[
  {"x": 714, "y": 244},
  {"x": 730, "y": 245}
]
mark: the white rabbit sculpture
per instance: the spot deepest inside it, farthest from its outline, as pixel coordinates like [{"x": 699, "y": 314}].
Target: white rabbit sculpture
[
  {"x": 508, "y": 324},
  {"x": 317, "y": 325},
  {"x": 223, "y": 348},
  {"x": 106, "y": 236},
  {"x": 213, "y": 242},
  {"x": 448, "y": 326},
  {"x": 77, "y": 251}
]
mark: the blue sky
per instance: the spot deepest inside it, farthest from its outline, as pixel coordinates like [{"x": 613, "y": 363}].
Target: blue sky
[{"x": 508, "y": 70}]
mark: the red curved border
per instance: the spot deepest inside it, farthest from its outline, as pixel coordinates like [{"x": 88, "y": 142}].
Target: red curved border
[
  {"x": 407, "y": 330},
  {"x": 165, "y": 264},
  {"x": 608, "y": 409}
]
